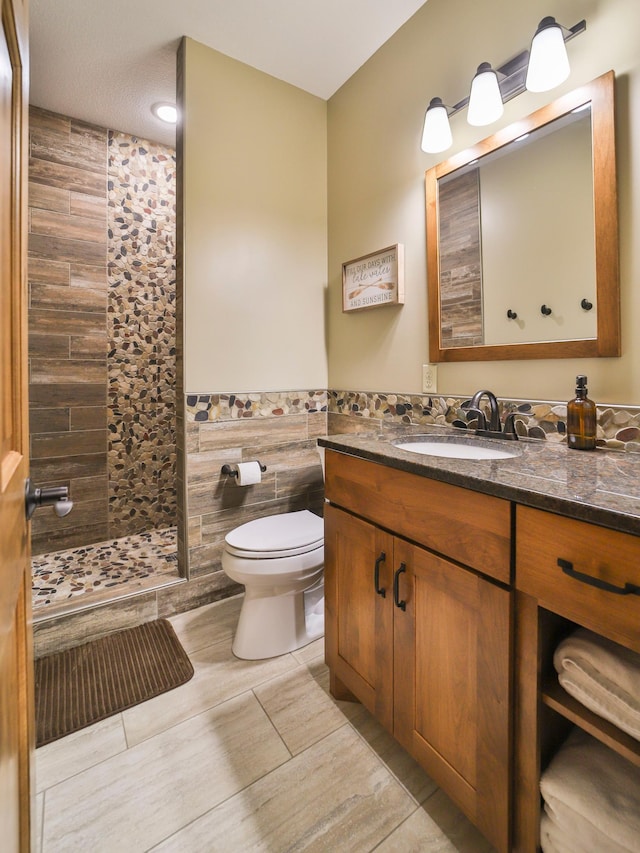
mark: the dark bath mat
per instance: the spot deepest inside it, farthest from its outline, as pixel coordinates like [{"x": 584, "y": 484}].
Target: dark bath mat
[{"x": 83, "y": 685}]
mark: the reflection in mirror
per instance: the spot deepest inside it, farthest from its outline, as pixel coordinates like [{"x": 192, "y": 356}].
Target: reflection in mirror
[{"x": 522, "y": 238}]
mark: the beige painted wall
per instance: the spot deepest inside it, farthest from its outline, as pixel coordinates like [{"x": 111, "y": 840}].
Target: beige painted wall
[
  {"x": 376, "y": 186},
  {"x": 255, "y": 226}
]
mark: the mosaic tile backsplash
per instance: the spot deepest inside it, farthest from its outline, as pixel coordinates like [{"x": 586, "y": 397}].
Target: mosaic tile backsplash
[
  {"x": 141, "y": 329},
  {"x": 618, "y": 427}
]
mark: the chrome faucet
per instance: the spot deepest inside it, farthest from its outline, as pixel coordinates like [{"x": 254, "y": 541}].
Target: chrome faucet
[{"x": 494, "y": 428}]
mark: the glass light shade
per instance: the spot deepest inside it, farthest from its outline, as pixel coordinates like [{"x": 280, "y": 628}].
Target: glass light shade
[
  {"x": 436, "y": 134},
  {"x": 548, "y": 60},
  {"x": 165, "y": 112},
  {"x": 485, "y": 100}
]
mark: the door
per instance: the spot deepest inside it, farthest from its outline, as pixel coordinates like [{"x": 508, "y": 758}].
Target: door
[
  {"x": 359, "y": 612},
  {"x": 16, "y": 675},
  {"x": 451, "y": 677}
]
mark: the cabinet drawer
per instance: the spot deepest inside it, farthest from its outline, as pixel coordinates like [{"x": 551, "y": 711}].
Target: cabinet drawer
[
  {"x": 466, "y": 526},
  {"x": 589, "y": 555}
]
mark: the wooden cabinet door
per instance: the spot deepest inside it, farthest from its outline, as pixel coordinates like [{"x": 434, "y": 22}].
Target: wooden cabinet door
[
  {"x": 451, "y": 683},
  {"x": 359, "y": 610},
  {"x": 16, "y": 668}
]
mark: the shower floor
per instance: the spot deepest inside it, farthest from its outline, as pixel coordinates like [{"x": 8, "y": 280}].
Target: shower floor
[{"x": 98, "y": 572}]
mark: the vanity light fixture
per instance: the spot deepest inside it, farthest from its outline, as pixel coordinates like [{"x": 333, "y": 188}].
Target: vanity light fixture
[
  {"x": 165, "y": 112},
  {"x": 510, "y": 79},
  {"x": 485, "y": 99}
]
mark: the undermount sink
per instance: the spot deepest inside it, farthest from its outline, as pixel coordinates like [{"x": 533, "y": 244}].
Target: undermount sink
[{"x": 453, "y": 447}]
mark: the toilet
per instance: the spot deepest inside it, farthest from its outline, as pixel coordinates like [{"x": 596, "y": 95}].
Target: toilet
[{"x": 280, "y": 561}]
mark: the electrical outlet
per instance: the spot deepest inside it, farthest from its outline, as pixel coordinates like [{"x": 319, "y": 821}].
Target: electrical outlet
[{"x": 429, "y": 378}]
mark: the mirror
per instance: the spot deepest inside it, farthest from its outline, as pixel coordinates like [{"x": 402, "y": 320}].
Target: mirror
[{"x": 522, "y": 238}]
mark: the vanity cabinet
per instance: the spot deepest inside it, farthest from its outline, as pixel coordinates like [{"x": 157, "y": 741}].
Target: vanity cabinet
[
  {"x": 569, "y": 574},
  {"x": 418, "y": 624}
]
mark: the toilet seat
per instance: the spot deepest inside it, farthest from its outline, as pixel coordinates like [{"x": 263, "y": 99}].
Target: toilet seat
[{"x": 277, "y": 536}]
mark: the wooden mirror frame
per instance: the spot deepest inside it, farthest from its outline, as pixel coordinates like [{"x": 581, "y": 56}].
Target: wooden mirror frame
[{"x": 600, "y": 93}]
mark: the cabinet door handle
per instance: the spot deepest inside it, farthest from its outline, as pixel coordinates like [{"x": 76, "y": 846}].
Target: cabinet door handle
[
  {"x": 396, "y": 588},
  {"x": 376, "y": 575},
  {"x": 627, "y": 589}
]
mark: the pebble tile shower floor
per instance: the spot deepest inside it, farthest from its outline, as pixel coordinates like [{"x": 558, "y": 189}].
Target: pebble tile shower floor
[
  {"x": 114, "y": 567},
  {"x": 247, "y": 756}
]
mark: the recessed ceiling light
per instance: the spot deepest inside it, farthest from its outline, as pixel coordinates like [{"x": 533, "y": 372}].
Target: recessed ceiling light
[{"x": 165, "y": 112}]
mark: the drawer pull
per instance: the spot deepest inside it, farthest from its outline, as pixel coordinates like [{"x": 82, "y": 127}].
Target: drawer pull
[
  {"x": 376, "y": 575},
  {"x": 396, "y": 588},
  {"x": 627, "y": 589}
]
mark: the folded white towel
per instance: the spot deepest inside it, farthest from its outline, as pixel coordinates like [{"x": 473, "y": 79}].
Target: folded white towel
[
  {"x": 565, "y": 831},
  {"x": 599, "y": 787},
  {"x": 602, "y": 675},
  {"x": 555, "y": 839}
]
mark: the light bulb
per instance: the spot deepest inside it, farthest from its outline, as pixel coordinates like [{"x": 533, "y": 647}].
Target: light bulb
[
  {"x": 436, "y": 134},
  {"x": 165, "y": 112},
  {"x": 548, "y": 60},
  {"x": 485, "y": 99}
]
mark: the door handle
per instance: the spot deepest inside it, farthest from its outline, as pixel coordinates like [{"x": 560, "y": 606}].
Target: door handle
[
  {"x": 396, "y": 587},
  {"x": 376, "y": 575},
  {"x": 55, "y": 496}
]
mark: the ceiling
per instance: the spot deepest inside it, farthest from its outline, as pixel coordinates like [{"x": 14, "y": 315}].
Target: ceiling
[{"x": 108, "y": 62}]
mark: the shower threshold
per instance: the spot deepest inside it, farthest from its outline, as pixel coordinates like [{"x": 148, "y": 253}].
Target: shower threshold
[{"x": 66, "y": 582}]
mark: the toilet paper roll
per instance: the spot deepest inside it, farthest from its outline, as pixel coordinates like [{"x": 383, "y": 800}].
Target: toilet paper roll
[{"x": 248, "y": 473}]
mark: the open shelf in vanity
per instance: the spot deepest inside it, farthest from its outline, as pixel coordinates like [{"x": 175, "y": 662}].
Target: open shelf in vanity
[
  {"x": 551, "y": 605},
  {"x": 556, "y": 698}
]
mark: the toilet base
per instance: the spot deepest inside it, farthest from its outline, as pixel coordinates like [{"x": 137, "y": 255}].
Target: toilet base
[{"x": 294, "y": 620}]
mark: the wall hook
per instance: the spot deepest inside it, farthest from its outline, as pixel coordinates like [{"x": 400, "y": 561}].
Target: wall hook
[
  {"x": 512, "y": 314},
  {"x": 586, "y": 305},
  {"x": 544, "y": 310}
]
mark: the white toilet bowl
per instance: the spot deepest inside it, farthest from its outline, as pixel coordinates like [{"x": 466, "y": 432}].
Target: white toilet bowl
[{"x": 280, "y": 561}]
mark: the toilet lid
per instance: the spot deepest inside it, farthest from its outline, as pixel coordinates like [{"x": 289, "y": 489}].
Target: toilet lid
[{"x": 283, "y": 535}]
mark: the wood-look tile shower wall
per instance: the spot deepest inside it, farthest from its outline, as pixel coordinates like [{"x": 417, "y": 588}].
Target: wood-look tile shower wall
[{"x": 76, "y": 428}]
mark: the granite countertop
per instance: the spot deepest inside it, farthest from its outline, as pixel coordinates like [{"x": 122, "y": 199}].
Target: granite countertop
[{"x": 600, "y": 486}]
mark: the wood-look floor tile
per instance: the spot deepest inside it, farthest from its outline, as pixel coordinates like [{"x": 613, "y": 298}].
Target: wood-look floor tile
[
  {"x": 400, "y": 763},
  {"x": 462, "y": 834},
  {"x": 310, "y": 652},
  {"x": 418, "y": 834},
  {"x": 218, "y": 677},
  {"x": 299, "y": 709},
  {"x": 335, "y": 796},
  {"x": 37, "y": 824},
  {"x": 63, "y": 758},
  {"x": 205, "y": 626},
  {"x": 137, "y": 798}
]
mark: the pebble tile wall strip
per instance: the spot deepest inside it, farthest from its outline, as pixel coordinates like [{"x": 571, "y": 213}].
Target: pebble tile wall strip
[
  {"x": 201, "y": 408},
  {"x": 141, "y": 328},
  {"x": 61, "y": 575},
  {"x": 618, "y": 427}
]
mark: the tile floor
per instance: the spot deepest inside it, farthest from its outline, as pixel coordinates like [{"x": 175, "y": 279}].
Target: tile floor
[
  {"x": 66, "y": 580},
  {"x": 246, "y": 756}
]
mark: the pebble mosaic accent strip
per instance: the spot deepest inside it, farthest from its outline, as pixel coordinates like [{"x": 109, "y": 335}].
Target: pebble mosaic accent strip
[
  {"x": 141, "y": 328},
  {"x": 61, "y": 575},
  {"x": 201, "y": 408},
  {"x": 618, "y": 427}
]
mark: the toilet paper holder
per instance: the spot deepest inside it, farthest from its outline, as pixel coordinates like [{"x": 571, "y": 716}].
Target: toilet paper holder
[{"x": 232, "y": 470}]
